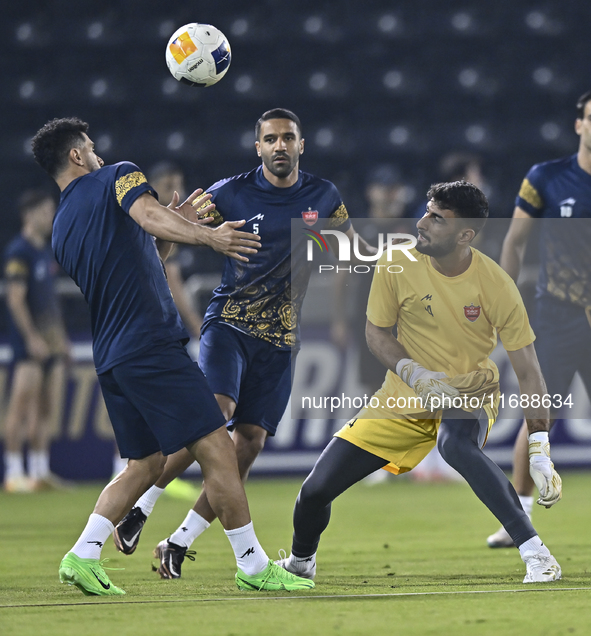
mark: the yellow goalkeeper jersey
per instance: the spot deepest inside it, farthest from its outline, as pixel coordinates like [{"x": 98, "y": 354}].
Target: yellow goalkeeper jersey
[{"x": 447, "y": 324}]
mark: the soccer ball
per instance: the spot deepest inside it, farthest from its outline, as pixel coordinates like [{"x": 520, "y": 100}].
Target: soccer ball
[{"x": 198, "y": 54}]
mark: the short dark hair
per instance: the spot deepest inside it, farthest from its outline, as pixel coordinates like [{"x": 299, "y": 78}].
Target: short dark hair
[
  {"x": 277, "y": 113},
  {"x": 53, "y": 142},
  {"x": 30, "y": 199},
  {"x": 581, "y": 103},
  {"x": 464, "y": 199}
]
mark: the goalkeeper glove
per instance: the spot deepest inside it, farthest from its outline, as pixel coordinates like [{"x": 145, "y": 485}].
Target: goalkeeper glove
[
  {"x": 542, "y": 470},
  {"x": 426, "y": 384}
]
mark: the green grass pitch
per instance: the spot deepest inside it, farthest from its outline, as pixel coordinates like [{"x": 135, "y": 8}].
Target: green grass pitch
[{"x": 400, "y": 557}]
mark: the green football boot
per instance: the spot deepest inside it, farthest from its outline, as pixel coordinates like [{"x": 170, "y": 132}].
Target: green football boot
[
  {"x": 87, "y": 575},
  {"x": 273, "y": 577}
]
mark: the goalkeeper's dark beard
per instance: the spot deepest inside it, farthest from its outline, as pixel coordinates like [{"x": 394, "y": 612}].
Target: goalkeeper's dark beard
[{"x": 439, "y": 250}]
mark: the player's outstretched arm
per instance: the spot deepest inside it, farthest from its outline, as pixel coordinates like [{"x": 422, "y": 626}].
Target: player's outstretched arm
[
  {"x": 172, "y": 225},
  {"x": 515, "y": 242},
  {"x": 531, "y": 384},
  {"x": 227, "y": 240},
  {"x": 428, "y": 385}
]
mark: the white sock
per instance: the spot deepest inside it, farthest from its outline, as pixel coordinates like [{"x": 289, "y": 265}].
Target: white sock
[
  {"x": 93, "y": 537},
  {"x": 38, "y": 464},
  {"x": 534, "y": 545},
  {"x": 250, "y": 556},
  {"x": 148, "y": 500},
  {"x": 303, "y": 564},
  {"x": 189, "y": 530},
  {"x": 527, "y": 503},
  {"x": 14, "y": 465}
]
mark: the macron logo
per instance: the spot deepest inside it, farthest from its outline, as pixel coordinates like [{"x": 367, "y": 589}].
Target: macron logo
[{"x": 259, "y": 217}]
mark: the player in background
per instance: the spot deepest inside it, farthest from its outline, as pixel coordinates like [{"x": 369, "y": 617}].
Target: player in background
[
  {"x": 111, "y": 235},
  {"x": 559, "y": 189},
  {"x": 250, "y": 332},
  {"x": 39, "y": 344},
  {"x": 166, "y": 179},
  {"x": 448, "y": 307}
]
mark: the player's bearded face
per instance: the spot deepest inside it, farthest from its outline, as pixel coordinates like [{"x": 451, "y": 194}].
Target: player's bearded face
[
  {"x": 91, "y": 159},
  {"x": 280, "y": 146},
  {"x": 438, "y": 247},
  {"x": 438, "y": 233}
]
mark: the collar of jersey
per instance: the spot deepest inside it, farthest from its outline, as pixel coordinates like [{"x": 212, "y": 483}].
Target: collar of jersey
[
  {"x": 459, "y": 277},
  {"x": 269, "y": 187}
]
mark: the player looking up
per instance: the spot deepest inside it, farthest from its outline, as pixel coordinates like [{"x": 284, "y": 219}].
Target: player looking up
[
  {"x": 250, "y": 330},
  {"x": 448, "y": 308},
  {"x": 559, "y": 189},
  {"x": 39, "y": 344},
  {"x": 110, "y": 235}
]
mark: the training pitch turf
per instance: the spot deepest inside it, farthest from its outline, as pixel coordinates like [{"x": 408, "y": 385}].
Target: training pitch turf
[{"x": 399, "y": 557}]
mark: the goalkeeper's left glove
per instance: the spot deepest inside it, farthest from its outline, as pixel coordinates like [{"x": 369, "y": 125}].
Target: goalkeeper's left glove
[
  {"x": 428, "y": 385},
  {"x": 542, "y": 470}
]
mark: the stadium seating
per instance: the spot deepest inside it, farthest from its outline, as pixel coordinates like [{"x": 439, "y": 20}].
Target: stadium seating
[{"x": 371, "y": 81}]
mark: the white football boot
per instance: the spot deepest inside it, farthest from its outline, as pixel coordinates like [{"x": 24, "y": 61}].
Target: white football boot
[
  {"x": 304, "y": 567},
  {"x": 541, "y": 568}
]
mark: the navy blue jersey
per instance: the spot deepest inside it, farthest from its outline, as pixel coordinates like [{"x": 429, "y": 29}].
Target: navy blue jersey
[
  {"x": 115, "y": 263},
  {"x": 36, "y": 268},
  {"x": 556, "y": 191},
  {"x": 261, "y": 297}
]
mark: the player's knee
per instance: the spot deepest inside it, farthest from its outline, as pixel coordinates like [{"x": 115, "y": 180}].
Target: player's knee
[
  {"x": 448, "y": 445},
  {"x": 154, "y": 467},
  {"x": 250, "y": 436},
  {"x": 315, "y": 492}
]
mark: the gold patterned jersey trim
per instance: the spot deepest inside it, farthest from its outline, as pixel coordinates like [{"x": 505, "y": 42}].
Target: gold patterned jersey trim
[
  {"x": 270, "y": 318},
  {"x": 218, "y": 219},
  {"x": 16, "y": 268},
  {"x": 128, "y": 182},
  {"x": 528, "y": 193},
  {"x": 339, "y": 216}
]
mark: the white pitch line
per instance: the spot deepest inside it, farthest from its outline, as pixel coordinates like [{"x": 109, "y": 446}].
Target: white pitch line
[{"x": 297, "y": 598}]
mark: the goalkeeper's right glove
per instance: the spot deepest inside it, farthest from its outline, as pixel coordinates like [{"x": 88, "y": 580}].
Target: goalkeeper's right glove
[
  {"x": 542, "y": 470},
  {"x": 426, "y": 384}
]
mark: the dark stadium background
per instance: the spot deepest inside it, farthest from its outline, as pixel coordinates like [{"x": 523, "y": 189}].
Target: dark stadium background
[{"x": 373, "y": 82}]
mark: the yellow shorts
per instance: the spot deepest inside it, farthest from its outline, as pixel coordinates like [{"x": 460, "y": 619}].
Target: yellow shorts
[{"x": 404, "y": 441}]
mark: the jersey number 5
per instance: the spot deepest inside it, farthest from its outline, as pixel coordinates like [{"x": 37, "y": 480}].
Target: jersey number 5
[{"x": 255, "y": 228}]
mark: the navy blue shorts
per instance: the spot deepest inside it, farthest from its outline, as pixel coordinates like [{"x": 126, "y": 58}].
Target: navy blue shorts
[
  {"x": 19, "y": 349},
  {"x": 563, "y": 344},
  {"x": 159, "y": 401},
  {"x": 254, "y": 373}
]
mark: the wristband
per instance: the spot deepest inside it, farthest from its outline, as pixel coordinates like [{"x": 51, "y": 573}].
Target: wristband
[
  {"x": 402, "y": 362},
  {"x": 539, "y": 436}
]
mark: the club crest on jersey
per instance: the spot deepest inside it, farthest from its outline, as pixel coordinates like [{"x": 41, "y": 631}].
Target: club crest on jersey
[
  {"x": 472, "y": 312},
  {"x": 310, "y": 216}
]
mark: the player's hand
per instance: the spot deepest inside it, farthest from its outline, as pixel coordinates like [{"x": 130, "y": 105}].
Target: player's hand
[
  {"x": 542, "y": 470},
  {"x": 428, "y": 385},
  {"x": 37, "y": 348},
  {"x": 188, "y": 209},
  {"x": 227, "y": 240}
]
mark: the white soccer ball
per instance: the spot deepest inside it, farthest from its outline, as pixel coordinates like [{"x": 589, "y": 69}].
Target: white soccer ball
[{"x": 198, "y": 54}]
